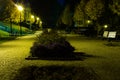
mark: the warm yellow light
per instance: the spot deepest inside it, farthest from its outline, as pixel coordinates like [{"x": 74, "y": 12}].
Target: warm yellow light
[
  {"x": 105, "y": 26},
  {"x": 20, "y": 8},
  {"x": 32, "y": 16},
  {"x": 38, "y": 18},
  {"x": 88, "y": 21},
  {"x": 40, "y": 22}
]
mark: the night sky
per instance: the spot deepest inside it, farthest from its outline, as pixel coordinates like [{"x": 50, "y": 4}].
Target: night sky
[{"x": 48, "y": 10}]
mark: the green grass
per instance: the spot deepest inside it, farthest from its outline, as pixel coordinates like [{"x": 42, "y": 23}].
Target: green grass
[
  {"x": 4, "y": 36},
  {"x": 3, "y": 33},
  {"x": 17, "y": 27}
]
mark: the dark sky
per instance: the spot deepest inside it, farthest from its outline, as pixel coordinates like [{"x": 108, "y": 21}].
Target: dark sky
[{"x": 48, "y": 10}]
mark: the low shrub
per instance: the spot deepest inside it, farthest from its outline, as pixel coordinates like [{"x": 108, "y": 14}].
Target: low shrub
[
  {"x": 55, "y": 72},
  {"x": 51, "y": 44}
]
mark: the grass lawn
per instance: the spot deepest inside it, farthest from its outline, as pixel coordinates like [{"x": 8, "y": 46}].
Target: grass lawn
[
  {"x": 3, "y": 33},
  {"x": 17, "y": 27},
  {"x": 4, "y": 36}
]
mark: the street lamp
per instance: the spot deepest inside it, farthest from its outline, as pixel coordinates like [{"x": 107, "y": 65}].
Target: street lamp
[
  {"x": 31, "y": 21},
  {"x": 20, "y": 8},
  {"x": 40, "y": 22},
  {"x": 105, "y": 26},
  {"x": 38, "y": 18},
  {"x": 88, "y": 22},
  {"x": 32, "y": 16}
]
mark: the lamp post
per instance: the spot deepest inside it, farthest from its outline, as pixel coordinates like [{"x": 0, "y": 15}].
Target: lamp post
[
  {"x": 88, "y": 22},
  {"x": 41, "y": 24},
  {"x": 32, "y": 16},
  {"x": 31, "y": 21},
  {"x": 20, "y": 8},
  {"x": 10, "y": 26},
  {"x": 38, "y": 22},
  {"x": 38, "y": 19},
  {"x": 105, "y": 26}
]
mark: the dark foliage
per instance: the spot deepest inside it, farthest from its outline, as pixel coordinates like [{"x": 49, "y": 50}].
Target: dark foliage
[
  {"x": 56, "y": 73},
  {"x": 51, "y": 45}
]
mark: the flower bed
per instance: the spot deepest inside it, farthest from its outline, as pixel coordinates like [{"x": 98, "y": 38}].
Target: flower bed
[{"x": 51, "y": 45}]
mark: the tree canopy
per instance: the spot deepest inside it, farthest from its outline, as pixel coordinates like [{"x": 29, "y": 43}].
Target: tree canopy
[
  {"x": 5, "y": 9},
  {"x": 8, "y": 11},
  {"x": 94, "y": 9},
  {"x": 115, "y": 6}
]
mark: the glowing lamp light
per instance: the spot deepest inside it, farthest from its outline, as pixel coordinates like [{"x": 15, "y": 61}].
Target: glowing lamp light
[
  {"x": 88, "y": 21},
  {"x": 38, "y": 18},
  {"x": 105, "y": 26},
  {"x": 32, "y": 16},
  {"x": 40, "y": 22},
  {"x": 20, "y": 8}
]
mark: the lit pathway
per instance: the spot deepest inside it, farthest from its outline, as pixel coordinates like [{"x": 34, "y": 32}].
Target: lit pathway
[{"x": 12, "y": 55}]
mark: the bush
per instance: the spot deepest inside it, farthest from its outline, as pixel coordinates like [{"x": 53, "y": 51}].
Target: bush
[
  {"x": 55, "y": 72},
  {"x": 50, "y": 44}
]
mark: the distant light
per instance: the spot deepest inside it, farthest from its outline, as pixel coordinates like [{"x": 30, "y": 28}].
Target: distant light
[
  {"x": 88, "y": 21},
  {"x": 32, "y": 16},
  {"x": 38, "y": 18},
  {"x": 105, "y": 26},
  {"x": 40, "y": 22},
  {"x": 20, "y": 8}
]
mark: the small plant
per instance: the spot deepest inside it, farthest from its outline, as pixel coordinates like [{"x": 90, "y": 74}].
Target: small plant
[{"x": 51, "y": 44}]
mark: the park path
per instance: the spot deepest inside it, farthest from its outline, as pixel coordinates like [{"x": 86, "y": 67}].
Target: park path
[
  {"x": 105, "y": 64},
  {"x": 104, "y": 60},
  {"x": 12, "y": 55}
]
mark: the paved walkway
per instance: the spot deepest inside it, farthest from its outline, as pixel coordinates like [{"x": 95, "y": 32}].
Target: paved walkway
[
  {"x": 12, "y": 55},
  {"x": 105, "y": 64},
  {"x": 104, "y": 60}
]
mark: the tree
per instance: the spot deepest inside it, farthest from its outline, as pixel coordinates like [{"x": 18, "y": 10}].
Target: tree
[
  {"x": 94, "y": 9},
  {"x": 65, "y": 19},
  {"x": 15, "y": 16},
  {"x": 79, "y": 14},
  {"x": 115, "y": 6},
  {"x": 66, "y": 16},
  {"x": 6, "y": 9}
]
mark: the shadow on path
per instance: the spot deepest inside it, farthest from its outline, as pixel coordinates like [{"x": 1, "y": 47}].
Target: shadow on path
[
  {"x": 76, "y": 56},
  {"x": 55, "y": 72}
]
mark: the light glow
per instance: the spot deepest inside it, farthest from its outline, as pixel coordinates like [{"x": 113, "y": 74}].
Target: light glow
[
  {"x": 20, "y": 8},
  {"x": 105, "y": 26},
  {"x": 32, "y": 16},
  {"x": 38, "y": 18},
  {"x": 40, "y": 22},
  {"x": 88, "y": 21}
]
